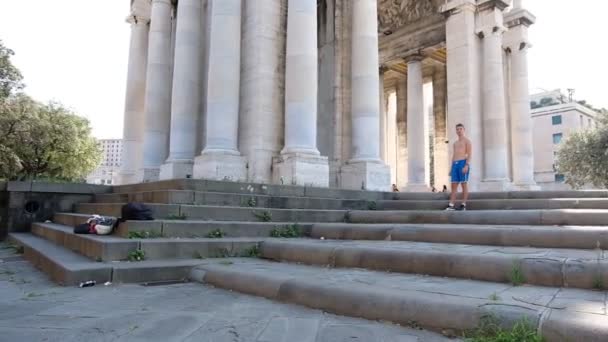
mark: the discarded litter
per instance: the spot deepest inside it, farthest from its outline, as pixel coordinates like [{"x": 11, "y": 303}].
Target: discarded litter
[
  {"x": 107, "y": 283},
  {"x": 88, "y": 283},
  {"x": 322, "y": 238}
]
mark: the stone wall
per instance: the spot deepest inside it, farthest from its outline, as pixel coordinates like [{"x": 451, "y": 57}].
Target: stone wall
[{"x": 22, "y": 203}]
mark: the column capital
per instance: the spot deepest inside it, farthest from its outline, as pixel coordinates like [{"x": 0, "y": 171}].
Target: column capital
[
  {"x": 455, "y": 6},
  {"x": 413, "y": 57},
  {"x": 519, "y": 17},
  {"x": 484, "y": 5},
  {"x": 137, "y": 19}
]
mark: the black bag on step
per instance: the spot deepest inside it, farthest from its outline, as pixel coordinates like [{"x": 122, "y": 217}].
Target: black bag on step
[
  {"x": 136, "y": 212},
  {"x": 82, "y": 229}
]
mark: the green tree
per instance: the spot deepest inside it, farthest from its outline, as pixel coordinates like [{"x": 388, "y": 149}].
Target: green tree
[
  {"x": 583, "y": 156},
  {"x": 10, "y": 76},
  {"x": 45, "y": 141}
]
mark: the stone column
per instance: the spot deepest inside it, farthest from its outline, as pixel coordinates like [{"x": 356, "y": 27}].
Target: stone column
[
  {"x": 383, "y": 118},
  {"x": 463, "y": 87},
  {"x": 134, "y": 100},
  {"x": 495, "y": 149},
  {"x": 221, "y": 159},
  {"x": 158, "y": 92},
  {"x": 401, "y": 140},
  {"x": 442, "y": 154},
  {"x": 416, "y": 132},
  {"x": 301, "y": 162},
  {"x": 522, "y": 156},
  {"x": 185, "y": 105},
  {"x": 365, "y": 170}
]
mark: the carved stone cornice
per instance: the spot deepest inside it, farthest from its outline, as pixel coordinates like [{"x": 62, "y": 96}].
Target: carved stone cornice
[
  {"x": 484, "y": 5},
  {"x": 452, "y": 7}
]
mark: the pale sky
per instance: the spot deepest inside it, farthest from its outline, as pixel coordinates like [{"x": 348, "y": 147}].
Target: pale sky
[{"x": 76, "y": 51}]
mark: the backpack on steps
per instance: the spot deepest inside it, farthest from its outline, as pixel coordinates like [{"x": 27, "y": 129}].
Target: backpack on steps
[{"x": 136, "y": 212}]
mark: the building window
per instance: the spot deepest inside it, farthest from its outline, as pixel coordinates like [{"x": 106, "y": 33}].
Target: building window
[
  {"x": 556, "y": 120},
  {"x": 559, "y": 178},
  {"x": 557, "y": 138}
]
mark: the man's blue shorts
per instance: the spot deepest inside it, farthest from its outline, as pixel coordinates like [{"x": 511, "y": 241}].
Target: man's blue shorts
[{"x": 457, "y": 175}]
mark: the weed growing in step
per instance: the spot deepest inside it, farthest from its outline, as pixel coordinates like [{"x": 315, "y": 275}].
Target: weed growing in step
[
  {"x": 198, "y": 255},
  {"x": 253, "y": 252},
  {"x": 18, "y": 249},
  {"x": 145, "y": 235},
  {"x": 598, "y": 282},
  {"x": 494, "y": 297},
  {"x": 372, "y": 205},
  {"x": 222, "y": 253},
  {"x": 216, "y": 234},
  {"x": 137, "y": 255},
  {"x": 490, "y": 331},
  {"x": 3, "y": 272},
  {"x": 288, "y": 231},
  {"x": 177, "y": 217},
  {"x": 347, "y": 218},
  {"x": 225, "y": 262},
  {"x": 264, "y": 216},
  {"x": 516, "y": 275},
  {"x": 252, "y": 202}
]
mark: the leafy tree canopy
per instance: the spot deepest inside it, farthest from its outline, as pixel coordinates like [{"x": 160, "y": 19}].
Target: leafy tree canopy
[
  {"x": 583, "y": 156},
  {"x": 10, "y": 76}
]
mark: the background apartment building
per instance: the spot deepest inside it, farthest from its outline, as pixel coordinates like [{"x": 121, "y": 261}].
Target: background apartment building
[{"x": 110, "y": 165}]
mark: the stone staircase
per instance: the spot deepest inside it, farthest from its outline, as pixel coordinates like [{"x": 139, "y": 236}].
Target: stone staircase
[{"x": 382, "y": 256}]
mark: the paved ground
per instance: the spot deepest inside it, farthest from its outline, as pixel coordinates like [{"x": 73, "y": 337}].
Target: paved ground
[{"x": 34, "y": 309}]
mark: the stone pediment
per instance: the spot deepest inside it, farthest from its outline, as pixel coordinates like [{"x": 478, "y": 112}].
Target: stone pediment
[{"x": 394, "y": 14}]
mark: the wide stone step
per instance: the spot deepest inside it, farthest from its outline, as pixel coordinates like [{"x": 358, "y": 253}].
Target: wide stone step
[
  {"x": 558, "y": 217},
  {"x": 69, "y": 268},
  {"x": 508, "y": 195},
  {"x": 219, "y": 213},
  {"x": 450, "y": 306},
  {"x": 111, "y": 248},
  {"x": 189, "y": 228},
  {"x": 585, "y": 269},
  {"x": 581, "y": 237},
  {"x": 496, "y": 204},
  {"x": 234, "y": 200}
]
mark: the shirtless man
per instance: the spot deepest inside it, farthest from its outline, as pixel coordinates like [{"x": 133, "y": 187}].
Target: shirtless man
[{"x": 461, "y": 159}]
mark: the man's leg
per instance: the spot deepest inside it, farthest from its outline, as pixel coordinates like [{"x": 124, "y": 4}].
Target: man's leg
[
  {"x": 452, "y": 196},
  {"x": 465, "y": 196}
]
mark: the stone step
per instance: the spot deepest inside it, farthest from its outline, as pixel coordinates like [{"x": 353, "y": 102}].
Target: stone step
[
  {"x": 558, "y": 217},
  {"x": 188, "y": 228},
  {"x": 111, "y": 248},
  {"x": 234, "y": 200},
  {"x": 585, "y": 269},
  {"x": 496, "y": 204},
  {"x": 219, "y": 213},
  {"x": 508, "y": 195},
  {"x": 69, "y": 268},
  {"x": 450, "y": 306},
  {"x": 576, "y": 237}
]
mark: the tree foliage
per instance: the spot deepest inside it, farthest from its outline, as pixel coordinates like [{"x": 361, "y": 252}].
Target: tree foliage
[
  {"x": 10, "y": 76},
  {"x": 40, "y": 140},
  {"x": 583, "y": 156}
]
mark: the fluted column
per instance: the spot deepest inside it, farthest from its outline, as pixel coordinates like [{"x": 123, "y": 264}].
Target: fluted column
[
  {"x": 365, "y": 170},
  {"x": 522, "y": 151},
  {"x": 494, "y": 119},
  {"x": 383, "y": 118},
  {"x": 415, "y": 129},
  {"x": 185, "y": 104},
  {"x": 300, "y": 162},
  {"x": 134, "y": 101},
  {"x": 158, "y": 92},
  {"x": 221, "y": 159},
  {"x": 441, "y": 151}
]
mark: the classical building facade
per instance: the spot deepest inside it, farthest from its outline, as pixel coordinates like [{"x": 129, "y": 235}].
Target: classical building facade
[{"x": 328, "y": 92}]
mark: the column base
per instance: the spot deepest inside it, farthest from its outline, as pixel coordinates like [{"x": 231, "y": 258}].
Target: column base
[
  {"x": 495, "y": 185},
  {"x": 149, "y": 174},
  {"x": 176, "y": 169},
  {"x": 224, "y": 166},
  {"x": 366, "y": 175},
  {"x": 301, "y": 169},
  {"x": 525, "y": 187},
  {"x": 417, "y": 188}
]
